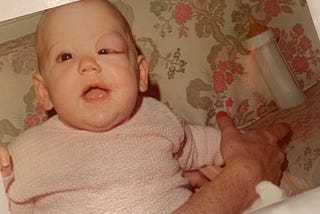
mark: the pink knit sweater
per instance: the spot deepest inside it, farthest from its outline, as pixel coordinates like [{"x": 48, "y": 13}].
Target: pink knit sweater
[{"x": 133, "y": 168}]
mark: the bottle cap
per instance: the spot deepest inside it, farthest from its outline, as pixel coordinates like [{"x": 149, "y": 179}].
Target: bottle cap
[
  {"x": 258, "y": 35},
  {"x": 255, "y": 28}
]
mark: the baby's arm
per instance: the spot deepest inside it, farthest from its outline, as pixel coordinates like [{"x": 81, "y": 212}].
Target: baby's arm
[
  {"x": 200, "y": 147},
  {"x": 5, "y": 162}
]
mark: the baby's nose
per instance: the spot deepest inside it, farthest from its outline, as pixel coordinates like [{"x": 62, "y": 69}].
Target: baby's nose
[{"x": 88, "y": 64}]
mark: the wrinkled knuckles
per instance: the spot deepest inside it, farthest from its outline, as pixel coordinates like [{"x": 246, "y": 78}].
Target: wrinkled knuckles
[
  {"x": 271, "y": 137},
  {"x": 281, "y": 156}
]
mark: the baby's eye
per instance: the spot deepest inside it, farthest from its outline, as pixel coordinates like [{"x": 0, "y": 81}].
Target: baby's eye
[
  {"x": 105, "y": 51},
  {"x": 65, "y": 57}
]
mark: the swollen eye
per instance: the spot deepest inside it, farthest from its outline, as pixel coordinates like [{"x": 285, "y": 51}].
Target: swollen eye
[
  {"x": 65, "y": 57},
  {"x": 107, "y": 51}
]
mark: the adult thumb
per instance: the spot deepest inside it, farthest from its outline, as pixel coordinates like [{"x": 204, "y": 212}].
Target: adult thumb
[{"x": 225, "y": 123}]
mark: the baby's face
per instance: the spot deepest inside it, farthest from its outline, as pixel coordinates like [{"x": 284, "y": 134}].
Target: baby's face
[{"x": 89, "y": 68}]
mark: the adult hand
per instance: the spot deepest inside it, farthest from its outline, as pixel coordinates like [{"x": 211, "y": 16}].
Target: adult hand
[
  {"x": 262, "y": 151},
  {"x": 250, "y": 158}
]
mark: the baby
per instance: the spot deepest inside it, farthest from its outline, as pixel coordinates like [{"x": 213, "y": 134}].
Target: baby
[
  {"x": 108, "y": 149},
  {"x": 108, "y": 146}
]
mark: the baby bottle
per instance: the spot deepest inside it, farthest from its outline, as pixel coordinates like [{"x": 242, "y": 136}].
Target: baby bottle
[{"x": 275, "y": 71}]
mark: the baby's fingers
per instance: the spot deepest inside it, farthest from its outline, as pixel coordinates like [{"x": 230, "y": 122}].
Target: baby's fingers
[
  {"x": 6, "y": 171},
  {"x": 5, "y": 162},
  {"x": 5, "y": 157}
]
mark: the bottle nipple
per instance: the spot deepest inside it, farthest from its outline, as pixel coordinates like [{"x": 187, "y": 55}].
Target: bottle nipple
[{"x": 255, "y": 28}]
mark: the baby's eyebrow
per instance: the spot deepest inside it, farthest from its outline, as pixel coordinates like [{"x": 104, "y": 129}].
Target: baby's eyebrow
[
  {"x": 50, "y": 54},
  {"x": 51, "y": 47},
  {"x": 118, "y": 39},
  {"x": 114, "y": 34}
]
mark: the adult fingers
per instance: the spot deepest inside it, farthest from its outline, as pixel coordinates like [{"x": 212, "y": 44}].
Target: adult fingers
[
  {"x": 279, "y": 133},
  {"x": 225, "y": 123}
]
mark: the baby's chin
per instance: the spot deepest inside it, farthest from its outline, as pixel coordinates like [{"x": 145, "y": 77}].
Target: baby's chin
[{"x": 97, "y": 126}]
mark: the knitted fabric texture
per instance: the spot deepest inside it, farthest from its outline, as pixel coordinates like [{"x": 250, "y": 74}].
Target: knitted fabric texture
[{"x": 134, "y": 168}]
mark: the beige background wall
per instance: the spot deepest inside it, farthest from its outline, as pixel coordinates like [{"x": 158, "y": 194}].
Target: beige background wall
[
  {"x": 16, "y": 8},
  {"x": 27, "y": 12},
  {"x": 314, "y": 7},
  {"x": 18, "y": 27}
]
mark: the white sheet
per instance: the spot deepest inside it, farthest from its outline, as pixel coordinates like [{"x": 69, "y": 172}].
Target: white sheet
[
  {"x": 314, "y": 7},
  {"x": 16, "y": 8},
  {"x": 304, "y": 203}
]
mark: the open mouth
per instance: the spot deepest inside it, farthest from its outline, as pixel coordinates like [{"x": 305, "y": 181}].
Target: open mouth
[{"x": 95, "y": 93}]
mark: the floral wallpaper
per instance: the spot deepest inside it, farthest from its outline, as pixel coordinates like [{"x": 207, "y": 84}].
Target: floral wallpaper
[
  {"x": 298, "y": 50},
  {"x": 229, "y": 65},
  {"x": 18, "y": 103}
]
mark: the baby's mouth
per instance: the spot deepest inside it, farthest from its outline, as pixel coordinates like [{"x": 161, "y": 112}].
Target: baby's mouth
[{"x": 95, "y": 93}]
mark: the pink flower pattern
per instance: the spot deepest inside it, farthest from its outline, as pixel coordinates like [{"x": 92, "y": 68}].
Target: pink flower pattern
[
  {"x": 272, "y": 7},
  {"x": 227, "y": 61},
  {"x": 182, "y": 13},
  {"x": 300, "y": 64},
  {"x": 297, "y": 50},
  {"x": 229, "y": 102},
  {"x": 36, "y": 117},
  {"x": 225, "y": 74},
  {"x": 305, "y": 43},
  {"x": 298, "y": 29}
]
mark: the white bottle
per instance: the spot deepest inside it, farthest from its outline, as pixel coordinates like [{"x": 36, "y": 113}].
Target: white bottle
[{"x": 275, "y": 71}]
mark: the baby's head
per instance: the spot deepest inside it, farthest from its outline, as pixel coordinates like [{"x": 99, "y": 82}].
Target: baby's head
[{"x": 90, "y": 71}]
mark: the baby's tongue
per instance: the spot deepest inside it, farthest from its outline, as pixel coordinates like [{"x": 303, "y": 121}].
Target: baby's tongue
[{"x": 95, "y": 93}]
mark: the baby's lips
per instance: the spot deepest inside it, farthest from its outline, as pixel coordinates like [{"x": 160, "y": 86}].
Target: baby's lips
[{"x": 95, "y": 94}]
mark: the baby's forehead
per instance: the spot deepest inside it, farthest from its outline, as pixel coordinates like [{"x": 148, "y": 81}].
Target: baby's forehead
[
  {"x": 105, "y": 16},
  {"x": 102, "y": 11},
  {"x": 78, "y": 9}
]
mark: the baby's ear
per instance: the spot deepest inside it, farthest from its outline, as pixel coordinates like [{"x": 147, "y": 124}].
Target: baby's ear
[
  {"x": 143, "y": 70},
  {"x": 42, "y": 92}
]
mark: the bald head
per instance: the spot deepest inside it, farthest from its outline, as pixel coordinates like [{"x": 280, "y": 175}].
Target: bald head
[{"x": 84, "y": 13}]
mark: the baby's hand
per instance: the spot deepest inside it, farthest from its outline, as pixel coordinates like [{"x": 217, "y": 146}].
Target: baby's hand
[
  {"x": 199, "y": 178},
  {"x": 5, "y": 162}
]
